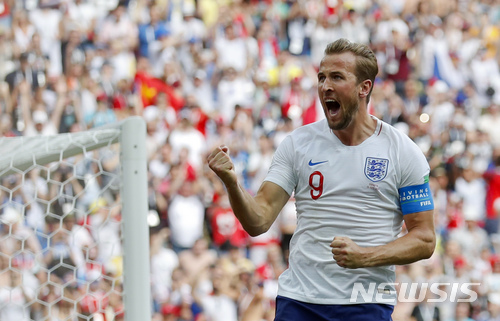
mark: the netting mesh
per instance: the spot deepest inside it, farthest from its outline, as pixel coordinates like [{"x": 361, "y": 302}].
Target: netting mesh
[{"x": 60, "y": 237}]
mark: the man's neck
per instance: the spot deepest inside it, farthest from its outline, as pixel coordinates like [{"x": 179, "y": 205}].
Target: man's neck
[{"x": 361, "y": 128}]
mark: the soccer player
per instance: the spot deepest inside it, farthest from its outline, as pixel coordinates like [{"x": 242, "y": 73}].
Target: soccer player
[{"x": 355, "y": 180}]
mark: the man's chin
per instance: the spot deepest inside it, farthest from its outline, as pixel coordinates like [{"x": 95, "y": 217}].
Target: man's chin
[{"x": 338, "y": 125}]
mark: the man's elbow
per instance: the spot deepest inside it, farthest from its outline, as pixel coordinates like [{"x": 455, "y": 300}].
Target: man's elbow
[
  {"x": 254, "y": 233},
  {"x": 429, "y": 245},
  {"x": 258, "y": 229}
]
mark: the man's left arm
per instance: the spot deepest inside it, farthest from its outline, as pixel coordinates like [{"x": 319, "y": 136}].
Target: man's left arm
[{"x": 417, "y": 244}]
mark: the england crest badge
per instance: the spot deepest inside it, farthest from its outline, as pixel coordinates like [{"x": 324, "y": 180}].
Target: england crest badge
[{"x": 376, "y": 168}]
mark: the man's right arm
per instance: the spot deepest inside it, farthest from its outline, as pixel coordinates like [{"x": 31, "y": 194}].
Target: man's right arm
[{"x": 258, "y": 213}]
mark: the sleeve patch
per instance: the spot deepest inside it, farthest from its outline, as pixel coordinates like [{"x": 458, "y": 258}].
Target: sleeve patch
[{"x": 416, "y": 198}]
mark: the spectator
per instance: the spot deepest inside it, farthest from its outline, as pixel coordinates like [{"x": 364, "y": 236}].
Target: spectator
[
  {"x": 103, "y": 115},
  {"x": 234, "y": 89},
  {"x": 220, "y": 303},
  {"x": 13, "y": 299},
  {"x": 489, "y": 123},
  {"x": 78, "y": 239},
  {"x": 493, "y": 312},
  {"x": 186, "y": 216},
  {"x": 232, "y": 51},
  {"x": 163, "y": 263},
  {"x": 196, "y": 261},
  {"x": 23, "y": 30},
  {"x": 426, "y": 310},
  {"x": 259, "y": 162},
  {"x": 470, "y": 232},
  {"x": 36, "y": 118},
  {"x": 225, "y": 227},
  {"x": 185, "y": 136},
  {"x": 23, "y": 73},
  {"x": 492, "y": 177},
  {"x": 118, "y": 26},
  {"x": 151, "y": 31},
  {"x": 104, "y": 224}
]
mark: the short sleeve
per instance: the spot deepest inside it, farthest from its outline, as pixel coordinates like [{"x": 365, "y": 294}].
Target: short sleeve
[
  {"x": 414, "y": 191},
  {"x": 414, "y": 166},
  {"x": 282, "y": 170}
]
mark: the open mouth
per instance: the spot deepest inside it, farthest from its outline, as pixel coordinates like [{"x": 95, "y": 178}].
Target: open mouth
[{"x": 333, "y": 106}]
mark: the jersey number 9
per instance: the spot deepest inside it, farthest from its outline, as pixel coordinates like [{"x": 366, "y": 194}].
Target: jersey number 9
[{"x": 316, "y": 183}]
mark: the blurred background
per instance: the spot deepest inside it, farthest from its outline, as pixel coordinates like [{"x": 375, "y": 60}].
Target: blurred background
[{"x": 243, "y": 73}]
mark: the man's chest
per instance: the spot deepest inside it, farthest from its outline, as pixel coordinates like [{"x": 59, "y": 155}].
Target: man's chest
[{"x": 344, "y": 172}]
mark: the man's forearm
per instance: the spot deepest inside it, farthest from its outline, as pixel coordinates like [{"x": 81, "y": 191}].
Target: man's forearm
[
  {"x": 256, "y": 214},
  {"x": 412, "y": 247},
  {"x": 247, "y": 210}
]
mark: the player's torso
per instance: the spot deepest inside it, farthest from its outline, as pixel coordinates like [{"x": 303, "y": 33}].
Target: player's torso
[
  {"x": 340, "y": 191},
  {"x": 347, "y": 188}
]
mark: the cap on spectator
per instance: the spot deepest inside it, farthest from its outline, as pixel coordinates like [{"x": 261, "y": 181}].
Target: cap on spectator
[
  {"x": 438, "y": 172},
  {"x": 40, "y": 117},
  {"x": 440, "y": 87},
  {"x": 403, "y": 127},
  {"x": 494, "y": 298},
  {"x": 68, "y": 209},
  {"x": 101, "y": 46},
  {"x": 49, "y": 3},
  {"x": 162, "y": 32},
  {"x": 188, "y": 9},
  {"x": 200, "y": 74},
  {"x": 471, "y": 213},
  {"x": 459, "y": 262},
  {"x": 496, "y": 205},
  {"x": 185, "y": 113},
  {"x": 262, "y": 76},
  {"x": 169, "y": 309},
  {"x": 102, "y": 97},
  {"x": 151, "y": 113},
  {"x": 435, "y": 21},
  {"x": 295, "y": 74},
  {"x": 10, "y": 216},
  {"x": 246, "y": 266},
  {"x": 494, "y": 260},
  {"x": 97, "y": 204}
]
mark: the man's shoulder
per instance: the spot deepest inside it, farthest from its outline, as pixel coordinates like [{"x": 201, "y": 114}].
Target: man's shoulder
[
  {"x": 303, "y": 135},
  {"x": 307, "y": 130},
  {"x": 396, "y": 136}
]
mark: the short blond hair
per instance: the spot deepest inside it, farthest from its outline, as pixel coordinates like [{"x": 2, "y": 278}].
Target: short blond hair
[{"x": 366, "y": 61}]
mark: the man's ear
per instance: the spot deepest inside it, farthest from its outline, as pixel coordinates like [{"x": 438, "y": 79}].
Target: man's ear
[{"x": 365, "y": 87}]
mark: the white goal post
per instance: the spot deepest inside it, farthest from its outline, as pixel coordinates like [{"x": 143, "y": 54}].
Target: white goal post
[{"x": 20, "y": 155}]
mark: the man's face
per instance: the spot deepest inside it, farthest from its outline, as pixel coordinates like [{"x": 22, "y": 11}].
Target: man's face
[
  {"x": 338, "y": 89},
  {"x": 230, "y": 33}
]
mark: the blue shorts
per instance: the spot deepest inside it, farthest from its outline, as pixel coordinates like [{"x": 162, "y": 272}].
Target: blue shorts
[{"x": 292, "y": 310}]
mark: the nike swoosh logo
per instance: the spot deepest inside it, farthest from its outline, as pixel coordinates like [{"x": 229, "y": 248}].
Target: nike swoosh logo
[{"x": 317, "y": 163}]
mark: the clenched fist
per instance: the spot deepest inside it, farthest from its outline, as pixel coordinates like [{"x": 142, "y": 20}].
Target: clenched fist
[
  {"x": 347, "y": 253},
  {"x": 220, "y": 162}
]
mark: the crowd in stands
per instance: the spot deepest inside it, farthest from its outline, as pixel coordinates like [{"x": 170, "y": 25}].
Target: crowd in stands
[{"x": 241, "y": 73}]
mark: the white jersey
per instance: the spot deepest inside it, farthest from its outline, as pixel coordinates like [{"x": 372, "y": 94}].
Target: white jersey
[{"x": 343, "y": 191}]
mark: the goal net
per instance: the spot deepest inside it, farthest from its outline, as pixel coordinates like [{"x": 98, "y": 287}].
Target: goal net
[{"x": 73, "y": 226}]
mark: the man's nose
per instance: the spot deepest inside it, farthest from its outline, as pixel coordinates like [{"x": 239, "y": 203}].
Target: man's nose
[{"x": 327, "y": 85}]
